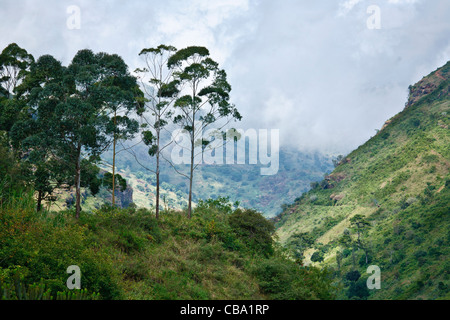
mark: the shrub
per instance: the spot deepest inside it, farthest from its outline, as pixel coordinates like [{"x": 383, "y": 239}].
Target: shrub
[
  {"x": 353, "y": 275},
  {"x": 285, "y": 280},
  {"x": 346, "y": 252},
  {"x": 317, "y": 256},
  {"x": 66, "y": 243},
  {"x": 253, "y": 230},
  {"x": 358, "y": 290},
  {"x": 128, "y": 241},
  {"x": 362, "y": 260}
]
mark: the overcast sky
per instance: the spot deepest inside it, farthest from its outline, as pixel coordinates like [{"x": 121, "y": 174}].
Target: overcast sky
[{"x": 326, "y": 73}]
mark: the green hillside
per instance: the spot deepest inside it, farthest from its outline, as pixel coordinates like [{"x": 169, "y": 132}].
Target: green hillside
[
  {"x": 221, "y": 253},
  {"x": 399, "y": 183}
]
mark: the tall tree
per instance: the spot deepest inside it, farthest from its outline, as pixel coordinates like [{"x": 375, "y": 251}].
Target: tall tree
[
  {"x": 29, "y": 137},
  {"x": 206, "y": 99},
  {"x": 44, "y": 173},
  {"x": 72, "y": 106},
  {"x": 161, "y": 90},
  {"x": 359, "y": 224},
  {"x": 122, "y": 96},
  {"x": 26, "y": 137},
  {"x": 15, "y": 63}
]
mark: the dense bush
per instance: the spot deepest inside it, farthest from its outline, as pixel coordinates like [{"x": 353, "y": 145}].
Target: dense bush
[
  {"x": 286, "y": 280},
  {"x": 47, "y": 245},
  {"x": 358, "y": 290},
  {"x": 353, "y": 275},
  {"x": 317, "y": 256},
  {"x": 220, "y": 253},
  {"x": 253, "y": 230},
  {"x": 12, "y": 175}
]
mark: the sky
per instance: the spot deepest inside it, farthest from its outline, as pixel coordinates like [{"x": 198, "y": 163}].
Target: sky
[{"x": 326, "y": 73}]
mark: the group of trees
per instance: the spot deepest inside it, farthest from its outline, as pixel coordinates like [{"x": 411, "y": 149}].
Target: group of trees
[{"x": 59, "y": 119}]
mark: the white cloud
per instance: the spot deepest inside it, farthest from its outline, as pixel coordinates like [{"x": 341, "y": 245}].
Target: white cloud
[
  {"x": 309, "y": 68},
  {"x": 346, "y": 6}
]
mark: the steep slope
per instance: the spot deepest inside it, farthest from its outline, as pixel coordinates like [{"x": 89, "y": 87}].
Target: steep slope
[{"x": 399, "y": 183}]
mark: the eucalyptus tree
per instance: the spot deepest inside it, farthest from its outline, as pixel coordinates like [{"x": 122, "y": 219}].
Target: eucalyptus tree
[
  {"x": 43, "y": 172},
  {"x": 29, "y": 135},
  {"x": 205, "y": 100},
  {"x": 360, "y": 224},
  {"x": 72, "y": 107},
  {"x": 161, "y": 90},
  {"x": 122, "y": 95},
  {"x": 15, "y": 64}
]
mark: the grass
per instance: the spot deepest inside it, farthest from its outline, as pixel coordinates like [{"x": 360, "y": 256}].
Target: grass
[{"x": 128, "y": 254}]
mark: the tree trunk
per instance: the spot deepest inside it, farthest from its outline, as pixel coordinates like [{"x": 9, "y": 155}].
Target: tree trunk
[
  {"x": 157, "y": 177},
  {"x": 113, "y": 201},
  {"x": 338, "y": 261},
  {"x": 191, "y": 176},
  {"x": 39, "y": 201},
  {"x": 78, "y": 186},
  {"x": 190, "y": 184}
]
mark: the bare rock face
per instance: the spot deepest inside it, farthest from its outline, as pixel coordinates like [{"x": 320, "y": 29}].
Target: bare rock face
[
  {"x": 386, "y": 124},
  {"x": 337, "y": 197},
  {"x": 426, "y": 86},
  {"x": 124, "y": 198}
]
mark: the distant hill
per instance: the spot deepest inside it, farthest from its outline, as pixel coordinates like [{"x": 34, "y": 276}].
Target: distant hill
[
  {"x": 399, "y": 182},
  {"x": 242, "y": 183}
]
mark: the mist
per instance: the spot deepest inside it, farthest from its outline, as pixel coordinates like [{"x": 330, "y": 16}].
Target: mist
[{"x": 320, "y": 72}]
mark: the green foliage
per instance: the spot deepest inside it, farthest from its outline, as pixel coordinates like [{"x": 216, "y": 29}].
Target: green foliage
[
  {"x": 14, "y": 66},
  {"x": 120, "y": 182},
  {"x": 253, "y": 230},
  {"x": 128, "y": 253},
  {"x": 66, "y": 243},
  {"x": 317, "y": 256},
  {"x": 206, "y": 104},
  {"x": 358, "y": 290},
  {"x": 353, "y": 275},
  {"x": 12, "y": 177},
  {"x": 300, "y": 242},
  {"x": 71, "y": 107},
  {"x": 286, "y": 280},
  {"x": 12, "y": 287}
]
